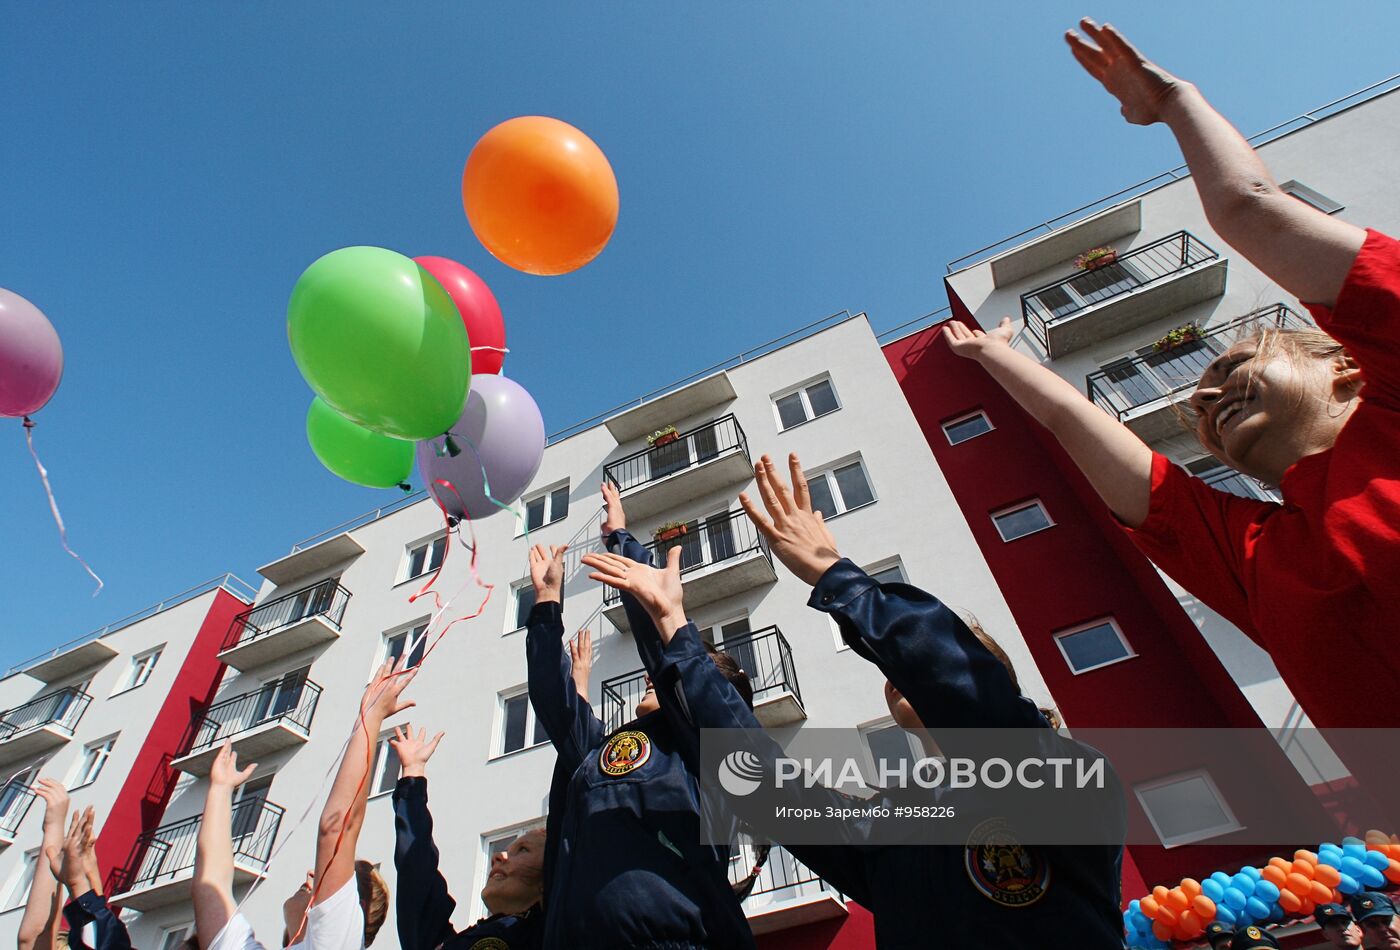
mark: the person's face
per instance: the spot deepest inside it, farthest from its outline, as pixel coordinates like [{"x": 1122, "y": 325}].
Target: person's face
[
  {"x": 515, "y": 882},
  {"x": 294, "y": 909},
  {"x": 1342, "y": 933},
  {"x": 648, "y": 703},
  {"x": 1381, "y": 933},
  {"x": 1260, "y": 414},
  {"x": 900, "y": 709}
]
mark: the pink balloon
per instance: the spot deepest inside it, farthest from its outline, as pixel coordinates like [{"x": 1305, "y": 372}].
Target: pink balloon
[
  {"x": 486, "y": 330},
  {"x": 31, "y": 358}
]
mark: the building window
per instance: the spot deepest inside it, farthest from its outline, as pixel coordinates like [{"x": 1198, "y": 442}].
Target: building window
[
  {"x": 498, "y": 842},
  {"x": 967, "y": 427},
  {"x": 522, "y": 598},
  {"x": 1021, "y": 520},
  {"x": 544, "y": 508},
  {"x": 426, "y": 557},
  {"x": 139, "y": 671},
  {"x": 1186, "y": 808},
  {"x": 885, "y": 572},
  {"x": 891, "y": 749},
  {"x": 414, "y": 639},
  {"x": 90, "y": 764},
  {"x": 1092, "y": 645},
  {"x": 519, "y": 727},
  {"x": 1310, "y": 197},
  {"x": 17, "y": 887},
  {"x": 15, "y": 793},
  {"x": 839, "y": 489},
  {"x": 805, "y": 404},
  {"x": 386, "y": 766},
  {"x": 172, "y": 937}
]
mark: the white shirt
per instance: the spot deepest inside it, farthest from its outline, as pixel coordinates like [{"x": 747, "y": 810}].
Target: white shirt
[
  {"x": 338, "y": 922},
  {"x": 237, "y": 934}
]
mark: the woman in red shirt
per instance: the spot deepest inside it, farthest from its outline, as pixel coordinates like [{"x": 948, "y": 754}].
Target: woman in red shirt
[{"x": 1315, "y": 580}]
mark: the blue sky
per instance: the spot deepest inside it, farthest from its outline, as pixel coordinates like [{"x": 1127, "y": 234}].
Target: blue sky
[{"x": 169, "y": 169}]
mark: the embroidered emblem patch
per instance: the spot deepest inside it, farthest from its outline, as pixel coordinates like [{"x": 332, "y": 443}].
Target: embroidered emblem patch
[
  {"x": 1003, "y": 869},
  {"x": 490, "y": 943},
  {"x": 625, "y": 752}
]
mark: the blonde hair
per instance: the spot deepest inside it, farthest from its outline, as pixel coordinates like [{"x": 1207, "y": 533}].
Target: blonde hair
[
  {"x": 374, "y": 898},
  {"x": 994, "y": 648}
]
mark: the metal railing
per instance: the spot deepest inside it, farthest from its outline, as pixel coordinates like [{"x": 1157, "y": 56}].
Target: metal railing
[
  {"x": 690, "y": 449},
  {"x": 63, "y": 708},
  {"x": 1237, "y": 483},
  {"x": 229, "y": 582},
  {"x": 1128, "y": 384},
  {"x": 15, "y": 799},
  {"x": 779, "y": 872},
  {"x": 167, "y": 852},
  {"x": 763, "y": 654},
  {"x": 706, "y": 542},
  {"x": 1069, "y": 296},
  {"x": 290, "y": 700},
  {"x": 326, "y": 599}
]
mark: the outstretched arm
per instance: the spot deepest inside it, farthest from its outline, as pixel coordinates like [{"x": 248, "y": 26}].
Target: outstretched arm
[
  {"x": 568, "y": 720},
  {"x": 1112, "y": 458},
  {"x": 344, "y": 811},
  {"x": 581, "y": 661},
  {"x": 38, "y": 928},
  {"x": 621, "y": 542},
  {"x": 211, "y": 889},
  {"x": 423, "y": 906},
  {"x": 87, "y": 905},
  {"x": 1307, "y": 252}
]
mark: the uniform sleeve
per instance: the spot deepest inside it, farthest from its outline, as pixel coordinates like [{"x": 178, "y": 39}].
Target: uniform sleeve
[
  {"x": 1198, "y": 535},
  {"x": 569, "y": 722},
  {"x": 644, "y": 633},
  {"x": 91, "y": 908},
  {"x": 924, "y": 649},
  {"x": 422, "y": 904},
  {"x": 1366, "y": 317}
]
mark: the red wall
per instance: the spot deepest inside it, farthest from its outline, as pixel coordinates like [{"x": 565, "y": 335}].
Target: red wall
[
  {"x": 141, "y": 802},
  {"x": 1082, "y": 569},
  {"x": 855, "y": 931}
]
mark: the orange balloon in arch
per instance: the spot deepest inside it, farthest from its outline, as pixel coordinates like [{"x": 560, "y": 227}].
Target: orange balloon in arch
[
  {"x": 1392, "y": 873},
  {"x": 540, "y": 195},
  {"x": 1325, "y": 874},
  {"x": 1289, "y": 901},
  {"x": 1190, "y": 887},
  {"x": 1320, "y": 893},
  {"x": 1204, "y": 907},
  {"x": 1277, "y": 876}
]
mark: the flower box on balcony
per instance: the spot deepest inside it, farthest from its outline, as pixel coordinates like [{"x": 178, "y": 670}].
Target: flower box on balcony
[
  {"x": 670, "y": 531},
  {"x": 1186, "y": 333},
  {"x": 1095, "y": 258},
  {"x": 663, "y": 436}
]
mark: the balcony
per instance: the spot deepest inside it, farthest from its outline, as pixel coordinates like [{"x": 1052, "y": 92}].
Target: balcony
[
  {"x": 720, "y": 556},
  {"x": 1140, "y": 287},
  {"x": 786, "y": 893},
  {"x": 15, "y": 799},
  {"x": 276, "y": 717},
  {"x": 163, "y": 860},
  {"x": 279, "y": 628},
  {"x": 61, "y": 666},
  {"x": 1226, "y": 479},
  {"x": 313, "y": 558},
  {"x": 1144, "y": 391},
  {"x": 682, "y": 403},
  {"x": 700, "y": 462},
  {"x": 41, "y": 725},
  {"x": 763, "y": 654}
]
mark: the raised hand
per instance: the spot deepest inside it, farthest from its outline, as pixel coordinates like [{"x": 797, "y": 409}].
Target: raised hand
[
  {"x": 414, "y": 753},
  {"x": 1141, "y": 87},
  {"x": 55, "y": 798},
  {"x": 974, "y": 344},
  {"x": 795, "y": 533},
  {"x": 381, "y": 699},
  {"x": 614, "y": 518},
  {"x": 658, "y": 591},
  {"x": 581, "y": 660},
  {"x": 547, "y": 572},
  {"x": 66, "y": 862},
  {"x": 225, "y": 771}
]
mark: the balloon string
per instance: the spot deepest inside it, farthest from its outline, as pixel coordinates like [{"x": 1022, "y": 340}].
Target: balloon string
[
  {"x": 493, "y": 349},
  {"x": 53, "y": 504}
]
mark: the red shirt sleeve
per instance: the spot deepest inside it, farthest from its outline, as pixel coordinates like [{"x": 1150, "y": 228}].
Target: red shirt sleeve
[
  {"x": 1366, "y": 317},
  {"x": 1199, "y": 536}
]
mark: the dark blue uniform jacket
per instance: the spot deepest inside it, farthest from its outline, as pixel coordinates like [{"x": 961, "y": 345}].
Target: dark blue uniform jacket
[
  {"x": 421, "y": 901},
  {"x": 92, "y": 908}
]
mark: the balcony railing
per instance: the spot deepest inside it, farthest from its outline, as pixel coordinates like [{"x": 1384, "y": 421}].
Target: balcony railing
[
  {"x": 763, "y": 654},
  {"x": 706, "y": 542},
  {"x": 1237, "y": 483},
  {"x": 290, "y": 700},
  {"x": 326, "y": 599},
  {"x": 165, "y": 854},
  {"x": 780, "y": 871},
  {"x": 1160, "y": 374},
  {"x": 1070, "y": 296},
  {"x": 62, "y": 708},
  {"x": 15, "y": 799},
  {"x": 692, "y": 448}
]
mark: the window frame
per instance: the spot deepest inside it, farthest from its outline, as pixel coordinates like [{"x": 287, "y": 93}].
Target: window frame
[
  {"x": 1112, "y": 622},
  {"x": 382, "y": 751},
  {"x": 498, "y": 731},
  {"x": 1310, "y": 196},
  {"x": 550, "y": 516},
  {"x": 428, "y": 543},
  {"x": 1020, "y": 506},
  {"x": 800, "y": 390},
  {"x": 20, "y": 880},
  {"x": 1206, "y": 834},
  {"x": 180, "y": 933},
  {"x": 513, "y": 611},
  {"x": 138, "y": 672},
  {"x": 408, "y": 631},
  {"x": 966, "y": 416},
  {"x": 881, "y": 724},
  {"x": 77, "y": 779},
  {"x": 829, "y": 473}
]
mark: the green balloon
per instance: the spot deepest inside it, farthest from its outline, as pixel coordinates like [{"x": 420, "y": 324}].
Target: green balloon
[
  {"x": 377, "y": 338},
  {"x": 355, "y": 453}
]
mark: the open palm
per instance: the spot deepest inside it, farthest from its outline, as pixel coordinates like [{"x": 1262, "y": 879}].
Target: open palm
[{"x": 1141, "y": 87}]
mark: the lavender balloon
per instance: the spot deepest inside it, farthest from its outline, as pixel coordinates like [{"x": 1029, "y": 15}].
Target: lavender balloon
[
  {"x": 501, "y": 433},
  {"x": 31, "y": 358}
]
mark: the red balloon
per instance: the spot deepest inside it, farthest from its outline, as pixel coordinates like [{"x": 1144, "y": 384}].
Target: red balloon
[{"x": 486, "y": 329}]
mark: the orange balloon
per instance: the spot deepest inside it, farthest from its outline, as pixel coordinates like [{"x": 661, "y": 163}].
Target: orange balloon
[
  {"x": 1177, "y": 899},
  {"x": 1289, "y": 901},
  {"x": 1190, "y": 925},
  {"x": 1325, "y": 874},
  {"x": 540, "y": 195},
  {"x": 1283, "y": 864},
  {"x": 1277, "y": 876},
  {"x": 1375, "y": 836},
  {"x": 1204, "y": 907},
  {"x": 1167, "y": 915},
  {"x": 1302, "y": 855},
  {"x": 1161, "y": 931},
  {"x": 1304, "y": 867},
  {"x": 1149, "y": 906},
  {"x": 1299, "y": 885},
  {"x": 1190, "y": 887},
  {"x": 1392, "y": 873},
  {"x": 1160, "y": 892},
  {"x": 1306, "y": 907},
  {"x": 1320, "y": 893}
]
